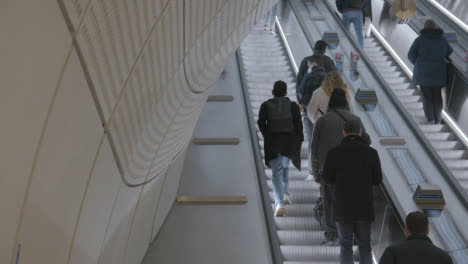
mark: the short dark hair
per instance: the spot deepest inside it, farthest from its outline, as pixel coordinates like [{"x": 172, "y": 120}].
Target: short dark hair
[
  {"x": 316, "y": 59},
  {"x": 352, "y": 126},
  {"x": 320, "y": 45},
  {"x": 417, "y": 223},
  {"x": 279, "y": 89}
]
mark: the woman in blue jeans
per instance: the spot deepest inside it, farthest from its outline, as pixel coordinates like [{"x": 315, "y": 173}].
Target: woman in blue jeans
[{"x": 429, "y": 54}]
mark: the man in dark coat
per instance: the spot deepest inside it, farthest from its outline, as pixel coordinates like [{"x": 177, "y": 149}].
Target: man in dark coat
[
  {"x": 429, "y": 54},
  {"x": 328, "y": 133},
  {"x": 311, "y": 82},
  {"x": 418, "y": 247},
  {"x": 354, "y": 168},
  {"x": 280, "y": 122},
  {"x": 320, "y": 48}
]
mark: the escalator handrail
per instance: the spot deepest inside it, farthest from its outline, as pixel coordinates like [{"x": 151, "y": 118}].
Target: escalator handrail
[{"x": 260, "y": 169}]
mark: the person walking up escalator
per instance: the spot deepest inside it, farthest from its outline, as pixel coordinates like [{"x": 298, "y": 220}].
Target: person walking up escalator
[
  {"x": 352, "y": 11},
  {"x": 320, "y": 48},
  {"x": 309, "y": 84},
  {"x": 429, "y": 54},
  {"x": 328, "y": 133},
  {"x": 279, "y": 121}
]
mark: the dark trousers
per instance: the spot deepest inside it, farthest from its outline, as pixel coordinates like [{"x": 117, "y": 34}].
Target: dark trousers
[
  {"x": 362, "y": 231},
  {"x": 432, "y": 103},
  {"x": 327, "y": 192}
]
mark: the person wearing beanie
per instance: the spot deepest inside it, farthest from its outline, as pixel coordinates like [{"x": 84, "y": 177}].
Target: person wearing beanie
[
  {"x": 319, "y": 49},
  {"x": 328, "y": 133}
]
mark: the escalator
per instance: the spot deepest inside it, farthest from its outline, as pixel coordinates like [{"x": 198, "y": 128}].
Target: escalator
[
  {"x": 448, "y": 146},
  {"x": 266, "y": 57},
  {"x": 266, "y": 61}
]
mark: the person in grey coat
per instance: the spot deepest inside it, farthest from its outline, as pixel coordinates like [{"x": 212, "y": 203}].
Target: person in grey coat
[
  {"x": 418, "y": 247},
  {"x": 328, "y": 133},
  {"x": 429, "y": 53}
]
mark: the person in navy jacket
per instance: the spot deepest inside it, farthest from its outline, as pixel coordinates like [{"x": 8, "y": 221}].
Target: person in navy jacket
[{"x": 429, "y": 54}]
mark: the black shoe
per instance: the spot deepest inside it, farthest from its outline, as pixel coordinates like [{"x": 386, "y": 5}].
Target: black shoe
[{"x": 330, "y": 242}]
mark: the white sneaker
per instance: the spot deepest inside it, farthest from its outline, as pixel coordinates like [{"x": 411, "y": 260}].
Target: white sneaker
[
  {"x": 286, "y": 199},
  {"x": 279, "y": 210},
  {"x": 310, "y": 178}
]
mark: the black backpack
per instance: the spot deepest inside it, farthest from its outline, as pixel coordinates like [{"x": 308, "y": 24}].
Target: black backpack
[{"x": 280, "y": 118}]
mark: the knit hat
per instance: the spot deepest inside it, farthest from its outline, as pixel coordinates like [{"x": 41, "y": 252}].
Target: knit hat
[{"x": 338, "y": 99}]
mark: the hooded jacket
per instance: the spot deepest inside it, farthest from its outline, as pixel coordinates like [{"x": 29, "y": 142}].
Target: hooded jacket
[
  {"x": 286, "y": 144},
  {"x": 328, "y": 64},
  {"x": 415, "y": 249},
  {"x": 428, "y": 53}
]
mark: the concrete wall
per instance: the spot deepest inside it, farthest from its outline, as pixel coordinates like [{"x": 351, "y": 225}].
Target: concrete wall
[{"x": 98, "y": 101}]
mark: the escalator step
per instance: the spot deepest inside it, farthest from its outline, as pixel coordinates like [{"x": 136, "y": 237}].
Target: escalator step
[
  {"x": 296, "y": 223},
  {"x": 305, "y": 253},
  {"x": 300, "y": 237},
  {"x": 300, "y": 197},
  {"x": 298, "y": 209}
]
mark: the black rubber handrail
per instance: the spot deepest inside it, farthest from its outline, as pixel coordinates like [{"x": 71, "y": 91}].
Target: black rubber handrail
[{"x": 260, "y": 168}]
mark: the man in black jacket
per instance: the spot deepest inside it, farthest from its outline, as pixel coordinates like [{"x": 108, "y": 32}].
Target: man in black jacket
[
  {"x": 280, "y": 122},
  {"x": 418, "y": 247},
  {"x": 354, "y": 168}
]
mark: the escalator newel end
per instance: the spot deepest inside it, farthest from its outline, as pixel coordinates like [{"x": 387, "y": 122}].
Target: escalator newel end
[
  {"x": 332, "y": 39},
  {"x": 430, "y": 199},
  {"x": 367, "y": 98}
]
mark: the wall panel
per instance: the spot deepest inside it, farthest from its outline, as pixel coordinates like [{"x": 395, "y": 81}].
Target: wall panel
[
  {"x": 111, "y": 37},
  {"x": 169, "y": 191},
  {"x": 132, "y": 124},
  {"x": 198, "y": 15},
  {"x": 200, "y": 70},
  {"x": 63, "y": 167},
  {"x": 140, "y": 234},
  {"x": 118, "y": 229},
  {"x": 26, "y": 91},
  {"x": 102, "y": 192}
]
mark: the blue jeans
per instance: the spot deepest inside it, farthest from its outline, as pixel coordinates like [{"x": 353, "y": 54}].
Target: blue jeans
[
  {"x": 280, "y": 171},
  {"x": 308, "y": 129},
  {"x": 362, "y": 230},
  {"x": 355, "y": 17}
]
